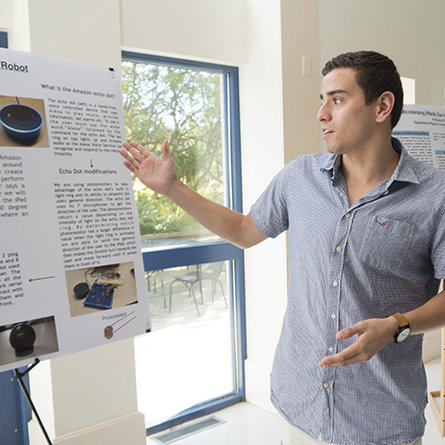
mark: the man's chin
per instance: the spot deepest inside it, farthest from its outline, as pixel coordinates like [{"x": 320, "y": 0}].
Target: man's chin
[{"x": 333, "y": 150}]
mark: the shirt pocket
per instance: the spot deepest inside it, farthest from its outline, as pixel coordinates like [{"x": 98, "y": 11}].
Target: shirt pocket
[{"x": 386, "y": 243}]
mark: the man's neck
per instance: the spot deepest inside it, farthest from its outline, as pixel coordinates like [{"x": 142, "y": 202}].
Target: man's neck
[{"x": 367, "y": 170}]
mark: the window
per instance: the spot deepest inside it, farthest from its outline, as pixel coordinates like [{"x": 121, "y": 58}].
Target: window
[
  {"x": 3, "y": 39},
  {"x": 191, "y": 363},
  {"x": 184, "y": 106}
]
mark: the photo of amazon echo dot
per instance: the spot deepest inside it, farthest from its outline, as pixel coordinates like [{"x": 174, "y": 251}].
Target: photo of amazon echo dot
[
  {"x": 21, "y": 123},
  {"x": 22, "y": 338},
  {"x": 81, "y": 290}
]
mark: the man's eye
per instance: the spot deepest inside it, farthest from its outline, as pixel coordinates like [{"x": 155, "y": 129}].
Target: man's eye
[{"x": 337, "y": 101}]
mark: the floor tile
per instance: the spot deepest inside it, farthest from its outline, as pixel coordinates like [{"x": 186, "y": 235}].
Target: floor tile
[{"x": 245, "y": 425}]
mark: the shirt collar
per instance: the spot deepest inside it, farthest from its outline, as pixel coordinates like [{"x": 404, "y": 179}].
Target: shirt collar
[
  {"x": 332, "y": 166},
  {"x": 404, "y": 172}
]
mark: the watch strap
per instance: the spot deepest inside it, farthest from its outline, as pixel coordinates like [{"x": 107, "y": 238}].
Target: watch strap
[{"x": 401, "y": 319}]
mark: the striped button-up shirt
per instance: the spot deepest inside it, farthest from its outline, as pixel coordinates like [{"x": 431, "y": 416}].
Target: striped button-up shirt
[{"x": 383, "y": 254}]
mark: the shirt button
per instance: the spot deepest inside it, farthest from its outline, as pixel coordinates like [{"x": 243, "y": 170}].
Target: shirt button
[
  {"x": 338, "y": 249},
  {"x": 347, "y": 215},
  {"x": 326, "y": 385},
  {"x": 334, "y": 283},
  {"x": 331, "y": 349},
  {"x": 333, "y": 316}
]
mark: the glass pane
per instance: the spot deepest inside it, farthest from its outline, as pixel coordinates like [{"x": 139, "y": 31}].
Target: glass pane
[
  {"x": 184, "y": 106},
  {"x": 187, "y": 359}
]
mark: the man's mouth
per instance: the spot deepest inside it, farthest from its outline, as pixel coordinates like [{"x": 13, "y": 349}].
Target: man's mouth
[{"x": 326, "y": 131}]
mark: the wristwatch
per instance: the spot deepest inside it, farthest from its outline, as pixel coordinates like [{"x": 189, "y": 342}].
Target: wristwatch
[{"x": 404, "y": 328}]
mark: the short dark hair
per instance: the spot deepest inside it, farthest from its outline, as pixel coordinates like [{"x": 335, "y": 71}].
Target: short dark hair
[{"x": 375, "y": 74}]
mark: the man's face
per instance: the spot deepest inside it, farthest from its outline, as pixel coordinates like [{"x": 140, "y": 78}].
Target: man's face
[{"x": 347, "y": 123}]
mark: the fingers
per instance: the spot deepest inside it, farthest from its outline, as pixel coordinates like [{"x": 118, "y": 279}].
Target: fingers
[
  {"x": 348, "y": 356},
  {"x": 349, "y": 332},
  {"x": 142, "y": 162},
  {"x": 137, "y": 151},
  {"x": 136, "y": 146},
  {"x": 140, "y": 153},
  {"x": 164, "y": 150},
  {"x": 134, "y": 155},
  {"x": 129, "y": 162},
  {"x": 130, "y": 167},
  {"x": 372, "y": 336}
]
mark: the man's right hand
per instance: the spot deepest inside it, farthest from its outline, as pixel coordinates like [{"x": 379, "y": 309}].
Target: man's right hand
[{"x": 157, "y": 174}]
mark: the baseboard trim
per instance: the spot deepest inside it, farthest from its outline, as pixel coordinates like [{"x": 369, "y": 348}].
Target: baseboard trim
[{"x": 122, "y": 430}]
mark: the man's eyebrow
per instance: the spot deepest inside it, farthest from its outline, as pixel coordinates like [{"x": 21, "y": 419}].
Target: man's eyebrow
[{"x": 333, "y": 93}]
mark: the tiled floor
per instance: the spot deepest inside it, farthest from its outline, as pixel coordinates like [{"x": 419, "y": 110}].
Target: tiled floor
[{"x": 246, "y": 424}]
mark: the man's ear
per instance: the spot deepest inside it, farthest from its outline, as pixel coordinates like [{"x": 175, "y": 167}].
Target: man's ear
[{"x": 385, "y": 104}]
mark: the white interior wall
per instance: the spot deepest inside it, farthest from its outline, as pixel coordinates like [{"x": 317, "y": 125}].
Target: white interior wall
[
  {"x": 301, "y": 88},
  {"x": 6, "y": 17},
  {"x": 262, "y": 157},
  {"x": 85, "y": 31},
  {"x": 17, "y": 13},
  {"x": 408, "y": 31},
  {"x": 208, "y": 30},
  {"x": 279, "y": 105}
]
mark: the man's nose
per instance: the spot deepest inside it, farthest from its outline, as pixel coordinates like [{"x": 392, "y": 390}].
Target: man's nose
[{"x": 323, "y": 114}]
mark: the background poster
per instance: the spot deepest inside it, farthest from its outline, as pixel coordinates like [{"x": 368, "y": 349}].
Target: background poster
[
  {"x": 71, "y": 272},
  {"x": 421, "y": 130}
]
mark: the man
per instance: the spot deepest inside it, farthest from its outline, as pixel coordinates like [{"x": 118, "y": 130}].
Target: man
[{"x": 366, "y": 241}]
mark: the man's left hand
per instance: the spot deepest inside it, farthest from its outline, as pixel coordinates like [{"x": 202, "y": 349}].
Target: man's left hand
[{"x": 372, "y": 335}]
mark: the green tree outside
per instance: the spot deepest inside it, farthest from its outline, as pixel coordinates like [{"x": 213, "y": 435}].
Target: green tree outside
[{"x": 183, "y": 106}]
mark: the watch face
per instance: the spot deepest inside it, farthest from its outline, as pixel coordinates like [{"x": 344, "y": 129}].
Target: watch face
[{"x": 403, "y": 334}]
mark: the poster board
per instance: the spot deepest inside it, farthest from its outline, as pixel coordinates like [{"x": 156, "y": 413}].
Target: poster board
[
  {"x": 71, "y": 271},
  {"x": 421, "y": 129}
]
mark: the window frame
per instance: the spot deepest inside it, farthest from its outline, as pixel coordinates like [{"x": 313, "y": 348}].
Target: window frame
[
  {"x": 3, "y": 39},
  {"x": 187, "y": 255}
]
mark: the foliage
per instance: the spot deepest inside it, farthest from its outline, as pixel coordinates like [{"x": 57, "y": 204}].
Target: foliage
[{"x": 183, "y": 106}]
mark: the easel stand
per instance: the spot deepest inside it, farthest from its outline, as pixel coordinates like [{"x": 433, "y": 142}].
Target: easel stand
[
  {"x": 19, "y": 375},
  {"x": 439, "y": 413}
]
